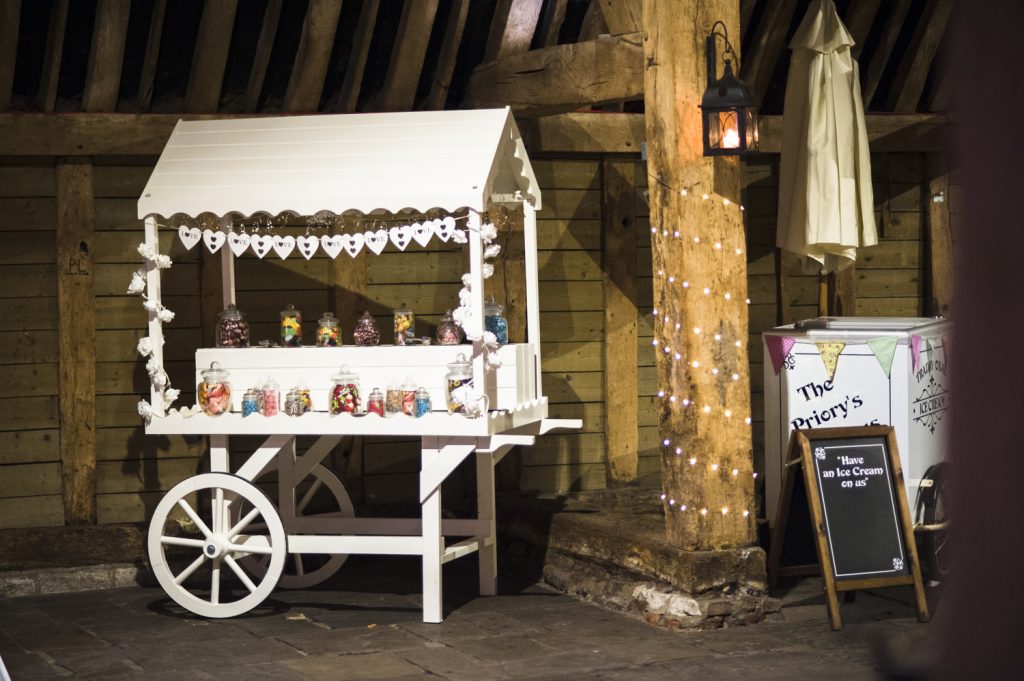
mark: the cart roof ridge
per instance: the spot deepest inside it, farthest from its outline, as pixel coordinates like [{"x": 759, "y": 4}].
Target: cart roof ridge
[{"x": 382, "y": 162}]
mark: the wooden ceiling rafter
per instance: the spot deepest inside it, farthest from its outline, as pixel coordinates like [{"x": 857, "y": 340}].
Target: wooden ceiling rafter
[
  {"x": 10, "y": 20},
  {"x": 883, "y": 50},
  {"x": 906, "y": 89},
  {"x": 860, "y": 16},
  {"x": 261, "y": 60},
  {"x": 747, "y": 8},
  {"x": 147, "y": 76},
  {"x": 512, "y": 28},
  {"x": 767, "y": 44},
  {"x": 593, "y": 23},
  {"x": 210, "y": 58},
  {"x": 106, "y": 56},
  {"x": 441, "y": 83},
  {"x": 551, "y": 22},
  {"x": 622, "y": 16},
  {"x": 347, "y": 98},
  {"x": 309, "y": 70},
  {"x": 46, "y": 98},
  {"x": 407, "y": 56}
]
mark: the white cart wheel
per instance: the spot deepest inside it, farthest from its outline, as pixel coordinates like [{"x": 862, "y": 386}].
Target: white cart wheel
[
  {"x": 194, "y": 522},
  {"x": 320, "y": 495}
]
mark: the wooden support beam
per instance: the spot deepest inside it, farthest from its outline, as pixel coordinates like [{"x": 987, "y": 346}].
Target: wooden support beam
[
  {"x": 618, "y": 265},
  {"x": 883, "y": 50},
  {"x": 347, "y": 293},
  {"x": 859, "y": 17},
  {"x": 502, "y": 8},
  {"x": 551, "y": 23},
  {"x": 147, "y": 77},
  {"x": 940, "y": 237},
  {"x": 46, "y": 97},
  {"x": 106, "y": 56},
  {"x": 309, "y": 70},
  {"x": 10, "y": 21},
  {"x": 842, "y": 292},
  {"x": 447, "y": 56},
  {"x": 596, "y": 133},
  {"x": 348, "y": 97},
  {"x": 886, "y": 133},
  {"x": 593, "y": 23},
  {"x": 561, "y": 78},
  {"x": 769, "y": 40},
  {"x": 210, "y": 56},
  {"x": 76, "y": 333},
  {"x": 406, "y": 64},
  {"x": 908, "y": 85},
  {"x": 622, "y": 16},
  {"x": 512, "y": 27},
  {"x": 746, "y": 14},
  {"x": 942, "y": 88},
  {"x": 717, "y": 489},
  {"x": 261, "y": 60}
]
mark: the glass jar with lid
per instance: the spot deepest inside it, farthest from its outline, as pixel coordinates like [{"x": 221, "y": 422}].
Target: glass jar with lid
[
  {"x": 270, "y": 398},
  {"x": 328, "y": 332},
  {"x": 375, "y": 402},
  {"x": 494, "y": 320},
  {"x": 448, "y": 332},
  {"x": 459, "y": 374},
  {"x": 405, "y": 325},
  {"x": 366, "y": 332},
  {"x": 232, "y": 329},
  {"x": 214, "y": 391},
  {"x": 345, "y": 395},
  {"x": 422, "y": 402},
  {"x": 393, "y": 399},
  {"x": 291, "y": 327},
  {"x": 251, "y": 402},
  {"x": 409, "y": 397}
]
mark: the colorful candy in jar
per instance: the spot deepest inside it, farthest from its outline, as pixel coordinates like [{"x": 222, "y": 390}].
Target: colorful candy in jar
[
  {"x": 307, "y": 399},
  {"x": 459, "y": 375},
  {"x": 366, "y": 332},
  {"x": 214, "y": 392},
  {"x": 232, "y": 329},
  {"x": 291, "y": 327},
  {"x": 345, "y": 395},
  {"x": 409, "y": 398},
  {"x": 250, "y": 402},
  {"x": 405, "y": 325},
  {"x": 328, "y": 333},
  {"x": 375, "y": 402},
  {"x": 393, "y": 400},
  {"x": 294, "y": 405},
  {"x": 270, "y": 398},
  {"x": 448, "y": 332},
  {"x": 495, "y": 322},
  {"x": 422, "y": 402}
]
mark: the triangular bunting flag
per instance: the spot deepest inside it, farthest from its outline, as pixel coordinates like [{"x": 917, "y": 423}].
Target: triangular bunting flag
[
  {"x": 884, "y": 350},
  {"x": 778, "y": 348},
  {"x": 829, "y": 351},
  {"x": 915, "y": 351}
]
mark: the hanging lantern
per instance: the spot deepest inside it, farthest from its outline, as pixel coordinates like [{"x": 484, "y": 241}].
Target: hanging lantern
[{"x": 728, "y": 108}]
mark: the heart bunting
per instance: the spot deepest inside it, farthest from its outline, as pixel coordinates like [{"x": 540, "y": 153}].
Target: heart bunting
[
  {"x": 354, "y": 243},
  {"x": 261, "y": 244},
  {"x": 376, "y": 241},
  {"x": 444, "y": 229},
  {"x": 284, "y": 245},
  {"x": 400, "y": 236},
  {"x": 213, "y": 240},
  {"x": 332, "y": 245},
  {"x": 189, "y": 237},
  {"x": 422, "y": 233},
  {"x": 307, "y": 246},
  {"x": 238, "y": 242}
]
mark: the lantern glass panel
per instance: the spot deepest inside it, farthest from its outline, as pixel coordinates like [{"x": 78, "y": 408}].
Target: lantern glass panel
[
  {"x": 750, "y": 116},
  {"x": 728, "y": 130}
]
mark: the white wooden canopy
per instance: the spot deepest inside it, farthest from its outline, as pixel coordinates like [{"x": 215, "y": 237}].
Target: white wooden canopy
[{"x": 369, "y": 163}]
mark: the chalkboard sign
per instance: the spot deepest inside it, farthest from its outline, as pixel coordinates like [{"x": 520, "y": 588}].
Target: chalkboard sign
[{"x": 858, "y": 511}]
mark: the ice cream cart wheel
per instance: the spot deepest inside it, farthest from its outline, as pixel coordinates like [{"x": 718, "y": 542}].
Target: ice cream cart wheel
[
  {"x": 195, "y": 544},
  {"x": 320, "y": 495},
  {"x": 935, "y": 509}
]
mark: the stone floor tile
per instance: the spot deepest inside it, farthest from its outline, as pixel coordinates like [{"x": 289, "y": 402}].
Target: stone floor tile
[
  {"x": 448, "y": 663},
  {"x": 355, "y": 667}
]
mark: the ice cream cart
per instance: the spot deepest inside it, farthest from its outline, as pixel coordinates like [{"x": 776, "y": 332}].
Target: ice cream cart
[{"x": 217, "y": 543}]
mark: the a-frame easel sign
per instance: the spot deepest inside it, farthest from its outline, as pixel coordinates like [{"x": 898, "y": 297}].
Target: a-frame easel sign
[{"x": 858, "y": 508}]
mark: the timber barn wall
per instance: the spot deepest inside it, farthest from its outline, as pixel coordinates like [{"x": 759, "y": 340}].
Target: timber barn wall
[{"x": 132, "y": 470}]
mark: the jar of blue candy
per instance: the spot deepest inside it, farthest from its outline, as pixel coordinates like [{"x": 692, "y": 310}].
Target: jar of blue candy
[
  {"x": 494, "y": 320},
  {"x": 422, "y": 402}
]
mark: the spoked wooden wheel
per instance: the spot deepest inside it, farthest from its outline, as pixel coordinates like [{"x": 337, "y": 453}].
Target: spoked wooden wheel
[
  {"x": 194, "y": 526},
  {"x": 320, "y": 495}
]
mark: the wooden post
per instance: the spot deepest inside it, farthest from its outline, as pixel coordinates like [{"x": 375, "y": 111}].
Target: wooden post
[
  {"x": 76, "y": 340},
  {"x": 940, "y": 237},
  {"x": 700, "y": 282},
  {"x": 618, "y": 262}
]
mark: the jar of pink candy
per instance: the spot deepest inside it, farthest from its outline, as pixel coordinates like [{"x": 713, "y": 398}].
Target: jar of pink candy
[
  {"x": 270, "y": 398},
  {"x": 214, "y": 392}
]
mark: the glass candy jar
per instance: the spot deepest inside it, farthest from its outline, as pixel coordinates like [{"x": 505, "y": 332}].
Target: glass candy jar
[
  {"x": 405, "y": 325},
  {"x": 375, "y": 402},
  {"x": 366, "y": 332},
  {"x": 214, "y": 392},
  {"x": 448, "y": 332},
  {"x": 251, "y": 402},
  {"x": 294, "y": 403},
  {"x": 328, "y": 333},
  {"x": 393, "y": 400},
  {"x": 422, "y": 402},
  {"x": 459, "y": 374},
  {"x": 232, "y": 329},
  {"x": 270, "y": 398},
  {"x": 494, "y": 321},
  {"x": 291, "y": 327},
  {"x": 345, "y": 395},
  {"x": 409, "y": 397}
]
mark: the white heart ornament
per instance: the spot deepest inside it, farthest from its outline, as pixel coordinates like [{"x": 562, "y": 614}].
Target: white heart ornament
[
  {"x": 354, "y": 243},
  {"x": 332, "y": 245},
  {"x": 422, "y": 233},
  {"x": 444, "y": 229},
  {"x": 261, "y": 244},
  {"x": 189, "y": 237},
  {"x": 238, "y": 242},
  {"x": 214, "y": 240},
  {"x": 307, "y": 245},
  {"x": 400, "y": 236},
  {"x": 376, "y": 241},
  {"x": 284, "y": 245}
]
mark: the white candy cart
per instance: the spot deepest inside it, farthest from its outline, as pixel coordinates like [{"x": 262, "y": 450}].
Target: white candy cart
[{"x": 217, "y": 543}]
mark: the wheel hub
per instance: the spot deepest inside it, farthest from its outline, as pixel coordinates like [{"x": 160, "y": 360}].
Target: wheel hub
[{"x": 214, "y": 548}]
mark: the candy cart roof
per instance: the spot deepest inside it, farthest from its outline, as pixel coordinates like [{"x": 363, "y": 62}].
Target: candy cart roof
[{"x": 369, "y": 163}]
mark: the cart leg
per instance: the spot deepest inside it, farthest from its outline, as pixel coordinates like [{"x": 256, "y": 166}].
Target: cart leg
[
  {"x": 433, "y": 542},
  {"x": 488, "y": 551},
  {"x": 219, "y": 459}
]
